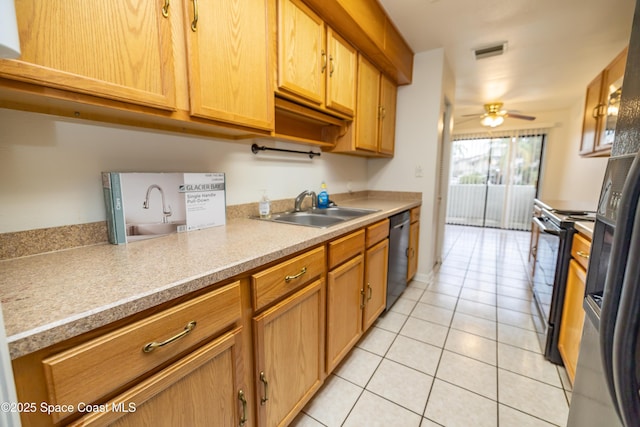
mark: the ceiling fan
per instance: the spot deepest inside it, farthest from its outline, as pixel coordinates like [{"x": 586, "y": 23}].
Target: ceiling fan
[{"x": 494, "y": 115}]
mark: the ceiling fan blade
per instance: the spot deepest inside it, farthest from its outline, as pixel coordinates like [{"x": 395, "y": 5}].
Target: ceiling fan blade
[
  {"x": 473, "y": 115},
  {"x": 519, "y": 116}
]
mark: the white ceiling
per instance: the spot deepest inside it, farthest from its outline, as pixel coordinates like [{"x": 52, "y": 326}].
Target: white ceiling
[{"x": 555, "y": 47}]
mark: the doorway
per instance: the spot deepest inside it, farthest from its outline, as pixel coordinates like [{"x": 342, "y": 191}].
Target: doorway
[{"x": 493, "y": 180}]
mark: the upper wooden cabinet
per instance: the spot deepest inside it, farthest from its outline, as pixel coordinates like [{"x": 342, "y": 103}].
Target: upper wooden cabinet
[
  {"x": 115, "y": 49},
  {"x": 366, "y": 25},
  {"x": 601, "y": 108},
  {"x": 372, "y": 132},
  {"x": 387, "y": 119},
  {"x": 146, "y": 64},
  {"x": 341, "y": 76},
  {"x": 228, "y": 62},
  {"x": 315, "y": 65},
  {"x": 207, "y": 67}
]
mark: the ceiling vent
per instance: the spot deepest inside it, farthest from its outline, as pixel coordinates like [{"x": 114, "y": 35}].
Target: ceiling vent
[{"x": 488, "y": 51}]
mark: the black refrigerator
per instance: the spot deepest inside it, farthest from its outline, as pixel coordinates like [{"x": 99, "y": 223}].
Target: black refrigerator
[{"x": 607, "y": 383}]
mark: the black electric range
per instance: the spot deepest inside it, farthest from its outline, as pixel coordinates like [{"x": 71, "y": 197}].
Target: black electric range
[{"x": 548, "y": 284}]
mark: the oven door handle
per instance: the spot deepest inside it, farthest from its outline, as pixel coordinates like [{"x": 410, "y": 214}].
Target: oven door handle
[{"x": 544, "y": 228}]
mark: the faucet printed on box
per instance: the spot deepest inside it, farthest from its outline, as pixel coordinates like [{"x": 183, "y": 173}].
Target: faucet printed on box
[{"x": 144, "y": 205}]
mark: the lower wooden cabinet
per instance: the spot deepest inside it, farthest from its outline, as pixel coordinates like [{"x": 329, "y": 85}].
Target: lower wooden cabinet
[
  {"x": 249, "y": 353},
  {"x": 356, "y": 288},
  {"x": 203, "y": 386},
  {"x": 289, "y": 351},
  {"x": 572, "y": 320},
  {"x": 288, "y": 333},
  {"x": 155, "y": 370},
  {"x": 344, "y": 309},
  {"x": 376, "y": 262}
]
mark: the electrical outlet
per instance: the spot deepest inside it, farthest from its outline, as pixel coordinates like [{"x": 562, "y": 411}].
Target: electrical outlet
[{"x": 419, "y": 173}]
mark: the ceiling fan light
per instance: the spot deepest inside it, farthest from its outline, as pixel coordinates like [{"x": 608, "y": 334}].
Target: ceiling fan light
[{"x": 492, "y": 121}]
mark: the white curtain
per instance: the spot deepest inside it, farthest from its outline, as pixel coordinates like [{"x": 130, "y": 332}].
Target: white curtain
[{"x": 503, "y": 198}]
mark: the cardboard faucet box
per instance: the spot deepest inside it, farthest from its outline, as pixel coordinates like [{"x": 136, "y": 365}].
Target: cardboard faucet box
[{"x": 144, "y": 205}]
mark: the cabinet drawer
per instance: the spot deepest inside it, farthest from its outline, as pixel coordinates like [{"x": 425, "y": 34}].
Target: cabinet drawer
[
  {"x": 91, "y": 370},
  {"x": 281, "y": 279},
  {"x": 580, "y": 250},
  {"x": 346, "y": 247},
  {"x": 415, "y": 214},
  {"x": 377, "y": 232}
]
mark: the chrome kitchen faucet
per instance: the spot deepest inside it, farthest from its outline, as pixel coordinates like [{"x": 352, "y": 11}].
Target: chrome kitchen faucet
[{"x": 301, "y": 197}]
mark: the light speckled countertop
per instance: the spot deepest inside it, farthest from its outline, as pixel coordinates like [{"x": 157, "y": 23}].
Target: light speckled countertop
[
  {"x": 51, "y": 297},
  {"x": 585, "y": 227}
]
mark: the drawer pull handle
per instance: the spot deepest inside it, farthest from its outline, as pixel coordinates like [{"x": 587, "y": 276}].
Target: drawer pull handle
[
  {"x": 363, "y": 298},
  {"x": 583, "y": 254},
  {"x": 370, "y": 292},
  {"x": 165, "y": 9},
  {"x": 243, "y": 419},
  {"x": 194, "y": 23},
  {"x": 263, "y": 378},
  {"x": 295, "y": 276},
  {"x": 153, "y": 345}
]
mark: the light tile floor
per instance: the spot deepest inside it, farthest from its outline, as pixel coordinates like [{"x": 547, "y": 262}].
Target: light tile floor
[{"x": 461, "y": 351}]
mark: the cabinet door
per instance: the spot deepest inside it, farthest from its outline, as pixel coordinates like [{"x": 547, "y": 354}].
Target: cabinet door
[
  {"x": 302, "y": 58},
  {"x": 341, "y": 82},
  {"x": 611, "y": 92},
  {"x": 228, "y": 62},
  {"x": 203, "y": 386},
  {"x": 412, "y": 251},
  {"x": 388, "y": 95},
  {"x": 376, "y": 263},
  {"x": 366, "y": 121},
  {"x": 345, "y": 301},
  {"x": 289, "y": 343},
  {"x": 118, "y": 49},
  {"x": 572, "y": 318},
  {"x": 592, "y": 116}
]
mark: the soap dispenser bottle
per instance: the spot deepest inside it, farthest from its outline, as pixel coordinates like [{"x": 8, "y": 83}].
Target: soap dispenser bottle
[
  {"x": 265, "y": 206},
  {"x": 323, "y": 197}
]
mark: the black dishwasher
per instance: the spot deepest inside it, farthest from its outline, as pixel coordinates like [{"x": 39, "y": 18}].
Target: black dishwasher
[{"x": 398, "y": 260}]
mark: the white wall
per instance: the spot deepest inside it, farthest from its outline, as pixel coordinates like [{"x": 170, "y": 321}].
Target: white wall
[
  {"x": 50, "y": 167},
  {"x": 565, "y": 175},
  {"x": 415, "y": 165}
]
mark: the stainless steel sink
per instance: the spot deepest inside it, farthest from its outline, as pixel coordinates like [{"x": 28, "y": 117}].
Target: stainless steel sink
[
  {"x": 342, "y": 212},
  {"x": 321, "y": 218}
]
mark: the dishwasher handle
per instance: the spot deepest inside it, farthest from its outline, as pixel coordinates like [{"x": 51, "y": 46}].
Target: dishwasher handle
[{"x": 400, "y": 225}]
